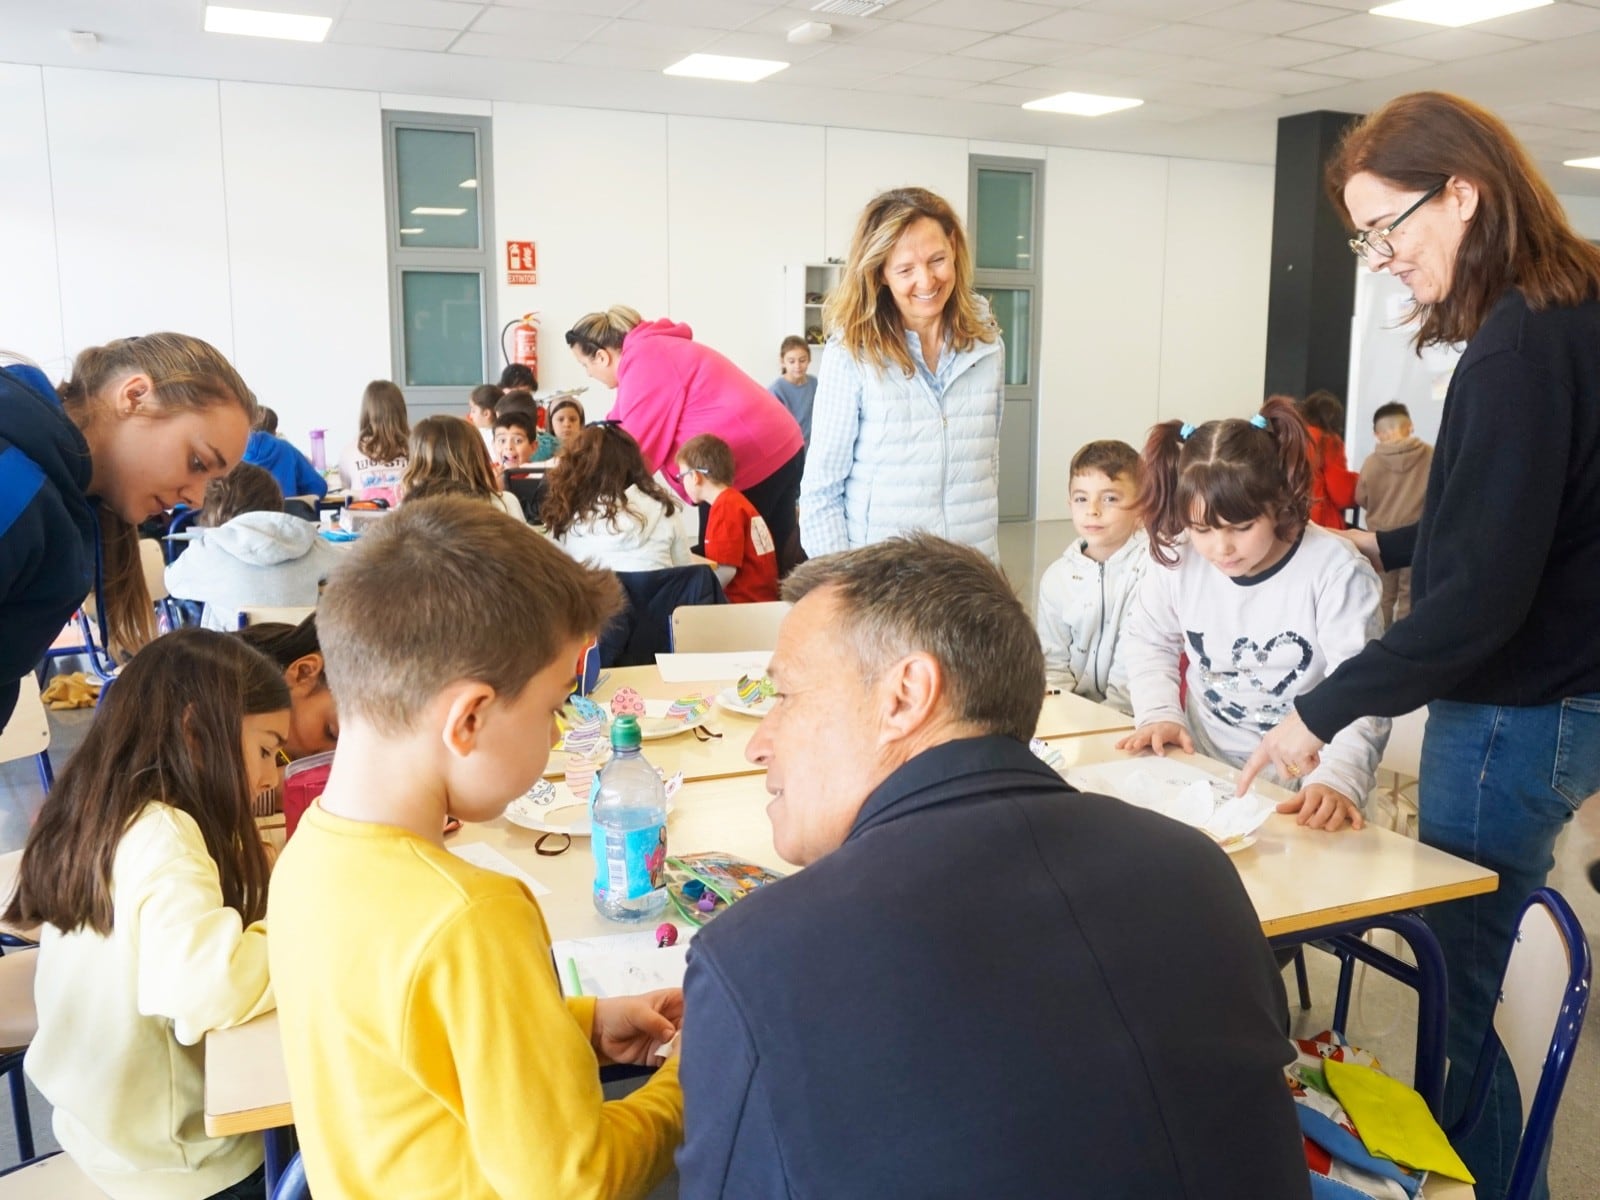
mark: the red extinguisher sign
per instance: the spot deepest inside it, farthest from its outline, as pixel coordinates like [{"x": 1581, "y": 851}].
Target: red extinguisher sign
[{"x": 522, "y": 263}]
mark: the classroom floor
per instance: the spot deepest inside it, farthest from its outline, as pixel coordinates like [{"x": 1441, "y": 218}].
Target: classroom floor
[{"x": 1381, "y": 1020}]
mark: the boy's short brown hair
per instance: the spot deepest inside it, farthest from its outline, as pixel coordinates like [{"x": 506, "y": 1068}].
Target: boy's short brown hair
[
  {"x": 517, "y": 418},
  {"x": 711, "y": 456},
  {"x": 1110, "y": 458},
  {"x": 245, "y": 489},
  {"x": 391, "y": 619}
]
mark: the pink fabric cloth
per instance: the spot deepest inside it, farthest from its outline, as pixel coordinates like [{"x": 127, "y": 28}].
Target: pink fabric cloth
[{"x": 670, "y": 388}]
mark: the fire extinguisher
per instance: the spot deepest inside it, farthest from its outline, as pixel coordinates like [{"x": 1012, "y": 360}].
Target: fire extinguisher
[{"x": 524, "y": 346}]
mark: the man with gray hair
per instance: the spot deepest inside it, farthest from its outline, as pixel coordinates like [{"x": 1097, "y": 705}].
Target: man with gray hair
[{"x": 983, "y": 984}]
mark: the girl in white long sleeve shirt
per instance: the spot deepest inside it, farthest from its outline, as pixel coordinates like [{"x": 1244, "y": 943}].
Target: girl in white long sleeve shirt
[
  {"x": 1263, "y": 604},
  {"x": 149, "y": 880}
]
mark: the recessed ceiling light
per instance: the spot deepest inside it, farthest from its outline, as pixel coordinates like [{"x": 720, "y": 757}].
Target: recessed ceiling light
[
  {"x": 253, "y": 22},
  {"x": 722, "y": 66},
  {"x": 468, "y": 183},
  {"x": 438, "y": 212},
  {"x": 1455, "y": 13},
  {"x": 1592, "y": 164},
  {"x": 1082, "y": 104},
  {"x": 415, "y": 230}
]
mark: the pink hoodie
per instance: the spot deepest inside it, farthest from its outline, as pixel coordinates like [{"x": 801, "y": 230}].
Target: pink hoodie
[{"x": 670, "y": 388}]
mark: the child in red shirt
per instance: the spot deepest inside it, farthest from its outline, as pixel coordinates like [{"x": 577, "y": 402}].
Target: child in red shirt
[{"x": 737, "y": 538}]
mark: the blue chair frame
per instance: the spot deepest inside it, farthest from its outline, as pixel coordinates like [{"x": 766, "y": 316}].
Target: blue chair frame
[
  {"x": 290, "y": 1183},
  {"x": 1558, "y": 1058}
]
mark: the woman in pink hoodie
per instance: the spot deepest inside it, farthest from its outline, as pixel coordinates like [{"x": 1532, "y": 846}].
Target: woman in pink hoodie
[{"x": 670, "y": 388}]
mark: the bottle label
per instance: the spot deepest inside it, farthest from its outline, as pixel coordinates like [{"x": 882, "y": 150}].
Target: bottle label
[{"x": 629, "y": 864}]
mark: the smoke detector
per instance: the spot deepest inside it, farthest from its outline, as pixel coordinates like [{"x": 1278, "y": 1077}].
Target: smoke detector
[
  {"x": 83, "y": 41},
  {"x": 811, "y": 31}
]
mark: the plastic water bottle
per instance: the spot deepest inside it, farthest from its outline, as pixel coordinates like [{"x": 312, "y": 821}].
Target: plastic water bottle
[
  {"x": 628, "y": 814},
  {"x": 319, "y": 450}
]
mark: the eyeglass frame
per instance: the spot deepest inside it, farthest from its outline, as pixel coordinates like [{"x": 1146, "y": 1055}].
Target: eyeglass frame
[{"x": 1363, "y": 244}]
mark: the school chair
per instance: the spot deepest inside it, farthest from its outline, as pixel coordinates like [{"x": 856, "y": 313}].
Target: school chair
[
  {"x": 708, "y": 629},
  {"x": 183, "y": 518},
  {"x": 168, "y": 608},
  {"x": 291, "y": 1183},
  {"x": 19, "y": 1021},
  {"x": 51, "y": 1176},
  {"x": 27, "y": 731},
  {"x": 644, "y": 628},
  {"x": 1544, "y": 992},
  {"x": 12, "y": 936},
  {"x": 1402, "y": 760}
]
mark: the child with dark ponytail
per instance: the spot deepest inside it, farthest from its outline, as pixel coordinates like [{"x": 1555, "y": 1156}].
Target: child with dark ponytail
[{"x": 1263, "y": 603}]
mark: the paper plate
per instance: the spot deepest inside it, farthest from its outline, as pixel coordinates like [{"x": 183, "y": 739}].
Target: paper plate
[
  {"x": 1237, "y": 845},
  {"x": 655, "y": 723},
  {"x": 549, "y": 809},
  {"x": 728, "y": 698}
]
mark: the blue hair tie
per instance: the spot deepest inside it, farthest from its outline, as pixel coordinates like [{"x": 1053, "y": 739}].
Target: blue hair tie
[
  {"x": 1258, "y": 421},
  {"x": 1184, "y": 431}
]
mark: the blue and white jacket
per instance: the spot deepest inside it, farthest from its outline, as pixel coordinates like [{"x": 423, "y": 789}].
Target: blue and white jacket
[{"x": 892, "y": 453}]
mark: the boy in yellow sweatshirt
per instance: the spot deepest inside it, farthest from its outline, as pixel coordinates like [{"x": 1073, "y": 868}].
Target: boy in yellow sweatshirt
[{"x": 428, "y": 1047}]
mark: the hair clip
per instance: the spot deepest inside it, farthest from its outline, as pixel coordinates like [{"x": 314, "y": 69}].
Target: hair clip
[
  {"x": 1258, "y": 421},
  {"x": 1184, "y": 431}
]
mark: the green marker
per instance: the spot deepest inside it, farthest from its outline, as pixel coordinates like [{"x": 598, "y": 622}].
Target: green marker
[{"x": 573, "y": 983}]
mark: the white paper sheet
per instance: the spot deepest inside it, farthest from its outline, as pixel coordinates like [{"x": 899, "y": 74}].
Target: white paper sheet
[
  {"x": 490, "y": 859},
  {"x": 622, "y": 964},
  {"x": 697, "y": 668}
]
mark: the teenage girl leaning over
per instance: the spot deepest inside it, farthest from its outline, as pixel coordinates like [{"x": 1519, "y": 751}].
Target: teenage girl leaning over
[{"x": 1264, "y": 604}]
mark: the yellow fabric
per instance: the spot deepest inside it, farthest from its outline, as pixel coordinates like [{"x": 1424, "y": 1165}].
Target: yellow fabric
[
  {"x": 76, "y": 690},
  {"x": 429, "y": 1051},
  {"x": 121, "y": 1019},
  {"x": 1393, "y": 1120}
]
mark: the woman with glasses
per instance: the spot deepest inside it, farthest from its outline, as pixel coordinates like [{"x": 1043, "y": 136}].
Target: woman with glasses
[
  {"x": 905, "y": 429},
  {"x": 1500, "y": 642},
  {"x": 670, "y": 388}
]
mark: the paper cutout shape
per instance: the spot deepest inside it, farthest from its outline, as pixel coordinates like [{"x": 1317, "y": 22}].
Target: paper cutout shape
[
  {"x": 1393, "y": 1120},
  {"x": 627, "y": 701},
  {"x": 753, "y": 691}
]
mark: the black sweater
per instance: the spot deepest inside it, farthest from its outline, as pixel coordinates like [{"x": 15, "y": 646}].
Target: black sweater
[{"x": 1506, "y": 558}]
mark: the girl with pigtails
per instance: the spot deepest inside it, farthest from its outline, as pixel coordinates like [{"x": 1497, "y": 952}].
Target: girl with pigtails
[{"x": 1263, "y": 604}]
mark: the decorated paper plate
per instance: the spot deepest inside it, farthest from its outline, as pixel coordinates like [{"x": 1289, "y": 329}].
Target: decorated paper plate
[
  {"x": 549, "y": 809},
  {"x": 669, "y": 718},
  {"x": 749, "y": 697}
]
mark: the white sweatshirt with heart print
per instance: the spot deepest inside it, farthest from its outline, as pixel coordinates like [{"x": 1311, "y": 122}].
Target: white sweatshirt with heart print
[{"x": 1252, "y": 646}]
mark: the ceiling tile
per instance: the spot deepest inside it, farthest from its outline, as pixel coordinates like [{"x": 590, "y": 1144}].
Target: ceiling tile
[
  {"x": 390, "y": 37},
  {"x": 972, "y": 70},
  {"x": 817, "y": 74},
  {"x": 1160, "y": 10},
  {"x": 1012, "y": 48},
  {"x": 1545, "y": 24},
  {"x": 1447, "y": 45},
  {"x": 996, "y": 16},
  {"x": 1294, "y": 83},
  {"x": 525, "y": 22},
  {"x": 622, "y": 58},
  {"x": 1371, "y": 64},
  {"x": 706, "y": 14},
  {"x": 1096, "y": 27},
  {"x": 430, "y": 14},
  {"x": 1208, "y": 95},
  {"x": 781, "y": 20},
  {"x": 1000, "y": 93},
  {"x": 765, "y": 45},
  {"x": 1268, "y": 16},
  {"x": 916, "y": 85},
  {"x": 1169, "y": 113},
  {"x": 594, "y": 8},
  {"x": 873, "y": 60},
  {"x": 1360, "y": 30},
  {"x": 498, "y": 45},
  {"x": 1185, "y": 39},
  {"x": 908, "y": 35},
  {"x": 1049, "y": 80},
  {"x": 1275, "y": 52},
  {"x": 652, "y": 36}
]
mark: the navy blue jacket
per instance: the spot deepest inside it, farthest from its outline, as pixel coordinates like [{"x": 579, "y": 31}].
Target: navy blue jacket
[
  {"x": 995, "y": 988},
  {"x": 47, "y": 524},
  {"x": 293, "y": 470}
]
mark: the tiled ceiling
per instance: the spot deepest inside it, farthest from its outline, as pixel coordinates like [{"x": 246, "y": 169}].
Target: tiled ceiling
[{"x": 1215, "y": 74}]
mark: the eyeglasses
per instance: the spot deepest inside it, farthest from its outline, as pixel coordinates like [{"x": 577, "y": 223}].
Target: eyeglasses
[
  {"x": 677, "y": 476},
  {"x": 1375, "y": 242}
]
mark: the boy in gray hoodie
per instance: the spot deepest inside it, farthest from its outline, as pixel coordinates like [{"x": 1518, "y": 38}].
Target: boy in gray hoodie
[
  {"x": 250, "y": 553},
  {"x": 1393, "y": 480}
]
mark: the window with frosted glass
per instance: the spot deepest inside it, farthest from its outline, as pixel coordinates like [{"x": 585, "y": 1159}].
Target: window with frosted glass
[
  {"x": 1005, "y": 220},
  {"x": 443, "y": 316},
  {"x": 436, "y": 188}
]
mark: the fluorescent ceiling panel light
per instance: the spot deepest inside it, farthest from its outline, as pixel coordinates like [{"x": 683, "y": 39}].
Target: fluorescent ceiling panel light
[
  {"x": 1455, "y": 13},
  {"x": 438, "y": 212},
  {"x": 252, "y": 22},
  {"x": 722, "y": 66},
  {"x": 1592, "y": 164},
  {"x": 1082, "y": 104},
  {"x": 468, "y": 183},
  {"x": 418, "y": 229}
]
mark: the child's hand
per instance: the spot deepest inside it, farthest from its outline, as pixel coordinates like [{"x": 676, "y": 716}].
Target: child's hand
[
  {"x": 1320, "y": 807},
  {"x": 629, "y": 1029},
  {"x": 1157, "y": 737}
]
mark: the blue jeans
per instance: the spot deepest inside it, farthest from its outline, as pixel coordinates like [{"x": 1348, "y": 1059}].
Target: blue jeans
[{"x": 1498, "y": 785}]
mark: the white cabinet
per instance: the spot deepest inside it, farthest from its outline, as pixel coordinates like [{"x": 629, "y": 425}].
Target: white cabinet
[{"x": 806, "y": 288}]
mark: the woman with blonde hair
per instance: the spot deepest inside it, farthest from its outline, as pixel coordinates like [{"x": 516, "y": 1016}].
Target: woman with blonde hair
[
  {"x": 1505, "y": 561},
  {"x": 905, "y": 430},
  {"x": 371, "y": 465},
  {"x": 447, "y": 458},
  {"x": 670, "y": 389},
  {"x": 142, "y": 425}
]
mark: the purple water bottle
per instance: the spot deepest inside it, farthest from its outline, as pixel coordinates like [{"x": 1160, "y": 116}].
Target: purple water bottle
[{"x": 319, "y": 450}]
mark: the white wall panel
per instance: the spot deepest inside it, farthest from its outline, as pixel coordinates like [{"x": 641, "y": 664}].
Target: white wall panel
[
  {"x": 307, "y": 256},
  {"x": 136, "y": 163},
  {"x": 861, "y": 163},
  {"x": 30, "y": 303}
]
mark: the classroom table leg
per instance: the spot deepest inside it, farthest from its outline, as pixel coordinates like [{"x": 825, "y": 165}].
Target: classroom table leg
[{"x": 1427, "y": 978}]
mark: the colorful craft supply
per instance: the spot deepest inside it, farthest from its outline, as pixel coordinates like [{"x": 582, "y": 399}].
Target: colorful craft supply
[
  {"x": 627, "y": 702},
  {"x": 688, "y": 708},
  {"x": 753, "y": 691},
  {"x": 666, "y": 934}
]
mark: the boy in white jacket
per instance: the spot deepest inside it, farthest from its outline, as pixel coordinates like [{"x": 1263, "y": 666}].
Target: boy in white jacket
[
  {"x": 1085, "y": 594},
  {"x": 250, "y": 552}
]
